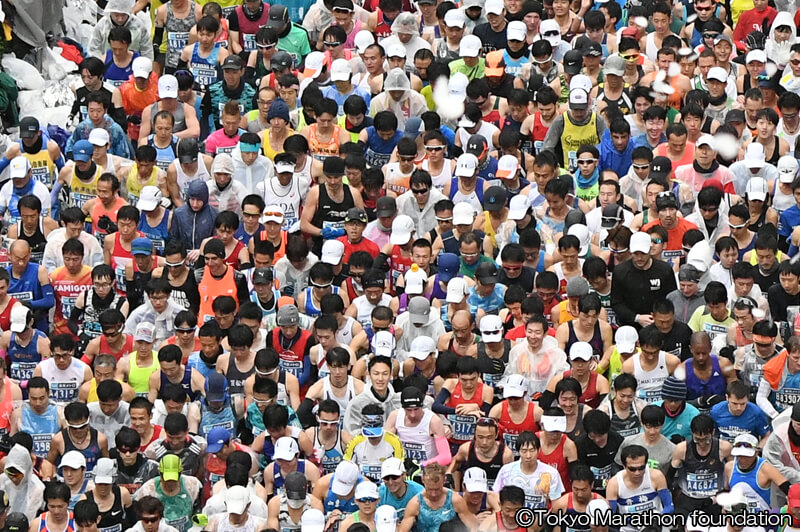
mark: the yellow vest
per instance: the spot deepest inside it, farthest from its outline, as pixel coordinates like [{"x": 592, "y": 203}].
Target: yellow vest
[
  {"x": 342, "y": 120},
  {"x": 82, "y": 191},
  {"x": 573, "y": 137},
  {"x": 135, "y": 186},
  {"x": 43, "y": 168}
]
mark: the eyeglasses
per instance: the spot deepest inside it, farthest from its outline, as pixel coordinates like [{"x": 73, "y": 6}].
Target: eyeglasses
[
  {"x": 331, "y": 44},
  {"x": 419, "y": 191},
  {"x": 641, "y": 166},
  {"x": 630, "y": 57},
  {"x": 368, "y": 500},
  {"x": 78, "y": 427},
  {"x": 434, "y": 148},
  {"x": 251, "y": 214},
  {"x": 125, "y": 450},
  {"x": 636, "y": 469},
  {"x": 265, "y": 46},
  {"x": 102, "y": 285},
  {"x": 586, "y": 161}
]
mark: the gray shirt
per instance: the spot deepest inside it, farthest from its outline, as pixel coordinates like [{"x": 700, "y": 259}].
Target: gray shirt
[{"x": 660, "y": 453}]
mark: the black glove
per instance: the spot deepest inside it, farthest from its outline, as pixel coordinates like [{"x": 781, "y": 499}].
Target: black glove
[{"x": 105, "y": 224}]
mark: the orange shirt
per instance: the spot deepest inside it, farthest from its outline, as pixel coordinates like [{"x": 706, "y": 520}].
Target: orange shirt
[
  {"x": 674, "y": 236},
  {"x": 688, "y": 154}
]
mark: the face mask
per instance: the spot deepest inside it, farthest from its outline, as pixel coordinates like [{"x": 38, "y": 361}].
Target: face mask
[{"x": 296, "y": 504}]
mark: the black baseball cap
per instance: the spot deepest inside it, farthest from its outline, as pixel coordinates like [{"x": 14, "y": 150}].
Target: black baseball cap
[
  {"x": 278, "y": 16},
  {"x": 232, "y": 62},
  {"x": 735, "y": 116},
  {"x": 281, "y": 60},
  {"x": 411, "y": 397},
  {"x": 477, "y": 145},
  {"x": 594, "y": 49},
  {"x": 28, "y": 127},
  {"x": 356, "y": 215},
  {"x": 486, "y": 273},
  {"x": 16, "y": 522},
  {"x": 188, "y": 150},
  {"x": 216, "y": 247},
  {"x": 611, "y": 216},
  {"x": 333, "y": 166},
  {"x": 385, "y": 206},
  {"x": 573, "y": 62},
  {"x": 263, "y": 276},
  {"x": 660, "y": 168},
  {"x": 665, "y": 200},
  {"x": 494, "y": 199}
]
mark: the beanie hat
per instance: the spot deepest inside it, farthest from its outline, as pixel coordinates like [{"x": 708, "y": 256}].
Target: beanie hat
[
  {"x": 278, "y": 109},
  {"x": 674, "y": 389}
]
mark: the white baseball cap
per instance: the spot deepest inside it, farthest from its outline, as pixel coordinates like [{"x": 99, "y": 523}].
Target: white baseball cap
[
  {"x": 470, "y": 46},
  {"x": 20, "y": 166},
  {"x": 455, "y": 18},
  {"x": 237, "y": 498},
  {"x": 466, "y": 166},
  {"x": 384, "y": 343},
  {"x": 581, "y": 350},
  {"x": 550, "y": 26},
  {"x": 363, "y": 40},
  {"x": 507, "y": 167},
  {"x": 340, "y": 70},
  {"x": 312, "y": 66},
  {"x": 717, "y": 74},
  {"x": 392, "y": 467},
  {"x": 745, "y": 445},
  {"x": 142, "y": 67},
  {"x": 787, "y": 169},
  {"x": 396, "y": 50},
  {"x": 516, "y": 30},
  {"x": 756, "y": 55},
  {"x": 491, "y": 328},
  {"x": 706, "y": 140},
  {"x": 150, "y": 198},
  {"x": 422, "y": 347},
  {"x": 366, "y": 490},
  {"x": 332, "y": 252},
  {"x": 582, "y": 233},
  {"x": 285, "y": 449},
  {"x": 168, "y": 86},
  {"x": 104, "y": 471},
  {"x": 495, "y": 7},
  {"x": 402, "y": 227},
  {"x": 754, "y": 156},
  {"x": 344, "y": 479},
  {"x": 19, "y": 318},
  {"x": 463, "y": 212},
  {"x": 756, "y": 189},
  {"x": 313, "y": 520},
  {"x": 274, "y": 213},
  {"x": 457, "y": 84},
  {"x": 640, "y": 241},
  {"x": 99, "y": 137},
  {"x": 475, "y": 480},
  {"x": 144, "y": 332},
  {"x": 457, "y": 290},
  {"x": 580, "y": 81},
  {"x": 515, "y": 385},
  {"x": 626, "y": 339},
  {"x": 385, "y": 518},
  {"x": 518, "y": 207},
  {"x": 415, "y": 281},
  {"x": 74, "y": 460}
]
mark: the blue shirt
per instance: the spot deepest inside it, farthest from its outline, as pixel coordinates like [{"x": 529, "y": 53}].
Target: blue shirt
[
  {"x": 491, "y": 303},
  {"x": 413, "y": 489},
  {"x": 790, "y": 218},
  {"x": 333, "y": 93},
  {"x": 641, "y": 140},
  {"x": 679, "y": 424},
  {"x": 752, "y": 420}
]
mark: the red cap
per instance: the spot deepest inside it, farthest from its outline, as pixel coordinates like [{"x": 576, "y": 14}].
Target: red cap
[
  {"x": 713, "y": 182},
  {"x": 630, "y": 31},
  {"x": 794, "y": 496}
]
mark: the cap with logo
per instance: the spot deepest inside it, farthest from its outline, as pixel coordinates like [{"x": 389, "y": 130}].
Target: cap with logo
[
  {"x": 581, "y": 351},
  {"x": 383, "y": 343},
  {"x": 396, "y": 50},
  {"x": 415, "y": 280},
  {"x": 580, "y": 231},
  {"x": 494, "y": 199},
  {"x": 756, "y": 55},
  {"x": 145, "y": 332},
  {"x": 593, "y": 49},
  {"x": 475, "y": 480},
  {"x": 263, "y": 276},
  {"x": 477, "y": 145},
  {"x": 717, "y": 74},
  {"x": 787, "y": 169},
  {"x": 218, "y": 438},
  {"x": 372, "y": 426},
  {"x": 486, "y": 273},
  {"x": 216, "y": 387},
  {"x": 507, "y": 167},
  {"x": 466, "y": 165},
  {"x": 392, "y": 467},
  {"x": 295, "y": 485},
  {"x": 273, "y": 213},
  {"x": 457, "y": 84},
  {"x": 167, "y": 86},
  {"x": 28, "y": 127},
  {"x": 20, "y": 316},
  {"x": 356, "y": 214},
  {"x": 288, "y": 315},
  {"x": 363, "y": 40},
  {"x": 20, "y": 166},
  {"x": 149, "y": 199},
  {"x": 15, "y": 521},
  {"x": 170, "y": 467},
  {"x": 74, "y": 460},
  {"x": 286, "y": 449},
  {"x": 82, "y": 151},
  {"x": 412, "y": 397},
  {"x": 495, "y": 63},
  {"x": 573, "y": 62},
  {"x": 281, "y": 61},
  {"x": 385, "y": 206},
  {"x": 385, "y": 518},
  {"x": 457, "y": 290},
  {"x": 366, "y": 490},
  {"x": 666, "y": 200},
  {"x": 578, "y": 99},
  {"x": 611, "y": 216},
  {"x": 515, "y": 385},
  {"x": 660, "y": 167},
  {"x": 757, "y": 189},
  {"x": 188, "y": 150},
  {"x": 313, "y": 65},
  {"x": 419, "y": 310}
]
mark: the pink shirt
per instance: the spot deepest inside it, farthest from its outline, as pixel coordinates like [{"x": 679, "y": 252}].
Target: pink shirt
[{"x": 218, "y": 142}]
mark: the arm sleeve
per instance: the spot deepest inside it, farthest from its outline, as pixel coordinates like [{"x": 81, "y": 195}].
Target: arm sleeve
[
  {"x": 624, "y": 313},
  {"x": 762, "y": 399},
  {"x": 305, "y": 413},
  {"x": 47, "y": 300},
  {"x": 439, "y": 405},
  {"x": 306, "y": 375},
  {"x": 74, "y": 316},
  {"x": 381, "y": 262},
  {"x": 666, "y": 500},
  {"x": 4, "y": 162},
  {"x": 241, "y": 289},
  {"x": 443, "y": 453},
  {"x": 54, "y": 193}
]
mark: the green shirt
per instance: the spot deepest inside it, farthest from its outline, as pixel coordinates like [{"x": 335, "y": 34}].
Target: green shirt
[
  {"x": 471, "y": 72},
  {"x": 295, "y": 44},
  {"x": 469, "y": 271}
]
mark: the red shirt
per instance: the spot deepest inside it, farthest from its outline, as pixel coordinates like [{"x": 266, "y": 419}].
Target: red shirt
[
  {"x": 752, "y": 20},
  {"x": 364, "y": 245}
]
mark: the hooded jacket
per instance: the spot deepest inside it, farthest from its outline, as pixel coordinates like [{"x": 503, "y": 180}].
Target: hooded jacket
[
  {"x": 780, "y": 52},
  {"x": 778, "y": 452},
  {"x": 193, "y": 227},
  {"x": 27, "y": 496},
  {"x": 164, "y": 322},
  {"x": 140, "y": 32},
  {"x": 353, "y": 417},
  {"x": 261, "y": 169},
  {"x": 612, "y": 159}
]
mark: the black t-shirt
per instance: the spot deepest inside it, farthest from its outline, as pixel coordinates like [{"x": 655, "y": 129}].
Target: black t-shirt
[
  {"x": 677, "y": 341},
  {"x": 491, "y": 39},
  {"x": 601, "y": 461},
  {"x": 525, "y": 279},
  {"x": 779, "y": 301},
  {"x": 79, "y": 106}
]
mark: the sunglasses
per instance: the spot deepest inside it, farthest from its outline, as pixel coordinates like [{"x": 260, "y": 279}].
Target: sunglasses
[
  {"x": 273, "y": 213},
  {"x": 329, "y": 423},
  {"x": 710, "y": 208},
  {"x": 392, "y": 477},
  {"x": 265, "y": 46},
  {"x": 636, "y": 469},
  {"x": 444, "y": 219},
  {"x": 657, "y": 241},
  {"x": 368, "y": 500},
  {"x": 175, "y": 265},
  {"x": 710, "y": 35},
  {"x": 434, "y": 148},
  {"x": 150, "y": 519},
  {"x": 125, "y": 450},
  {"x": 744, "y": 445},
  {"x": 78, "y": 427},
  {"x": 709, "y": 8},
  {"x": 190, "y": 330},
  {"x": 630, "y": 57},
  {"x": 512, "y": 268},
  {"x": 419, "y": 191},
  {"x": 407, "y": 158},
  {"x": 13, "y": 473},
  {"x": 251, "y": 214},
  {"x": 315, "y": 285},
  {"x": 641, "y": 166},
  {"x": 586, "y": 161},
  {"x": 737, "y": 226},
  {"x": 487, "y": 422},
  {"x": 331, "y": 44},
  {"x": 551, "y": 34}
]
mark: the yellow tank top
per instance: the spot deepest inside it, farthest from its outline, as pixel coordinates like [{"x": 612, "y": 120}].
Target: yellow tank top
[
  {"x": 92, "y": 397},
  {"x": 342, "y": 121},
  {"x": 488, "y": 229},
  {"x": 269, "y": 153},
  {"x": 754, "y": 257},
  {"x": 573, "y": 137},
  {"x": 135, "y": 186},
  {"x": 82, "y": 191},
  {"x": 228, "y": 6},
  {"x": 43, "y": 168},
  {"x": 154, "y": 5},
  {"x": 139, "y": 377}
]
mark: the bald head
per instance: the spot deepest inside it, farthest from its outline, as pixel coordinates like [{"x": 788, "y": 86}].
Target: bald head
[
  {"x": 700, "y": 338},
  {"x": 20, "y": 248},
  {"x": 461, "y": 319}
]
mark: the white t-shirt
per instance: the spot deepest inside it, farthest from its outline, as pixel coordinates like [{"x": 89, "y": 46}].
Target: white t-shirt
[{"x": 540, "y": 486}]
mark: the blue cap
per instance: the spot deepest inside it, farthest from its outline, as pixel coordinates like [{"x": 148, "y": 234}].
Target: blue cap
[
  {"x": 448, "y": 264},
  {"x": 82, "y": 151},
  {"x": 142, "y": 246},
  {"x": 216, "y": 385},
  {"x": 217, "y": 439}
]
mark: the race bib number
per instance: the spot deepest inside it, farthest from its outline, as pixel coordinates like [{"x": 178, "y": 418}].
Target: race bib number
[
  {"x": 177, "y": 40},
  {"x": 181, "y": 523},
  {"x": 120, "y": 273},
  {"x": 92, "y": 329},
  {"x": 375, "y": 159},
  {"x": 204, "y": 75},
  {"x": 415, "y": 451},
  {"x": 63, "y": 392},
  {"x": 572, "y": 159},
  {"x": 22, "y": 371},
  {"x": 292, "y": 366},
  {"x": 41, "y": 444},
  {"x": 372, "y": 472},
  {"x": 248, "y": 42},
  {"x": 650, "y": 396},
  {"x": 511, "y": 442},
  {"x": 671, "y": 255},
  {"x": 114, "y": 528},
  {"x": 462, "y": 427},
  {"x": 786, "y": 398},
  {"x": 42, "y": 173},
  {"x": 601, "y": 476},
  {"x": 23, "y": 296},
  {"x": 535, "y": 502},
  {"x": 67, "y": 304},
  {"x": 702, "y": 485}
]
